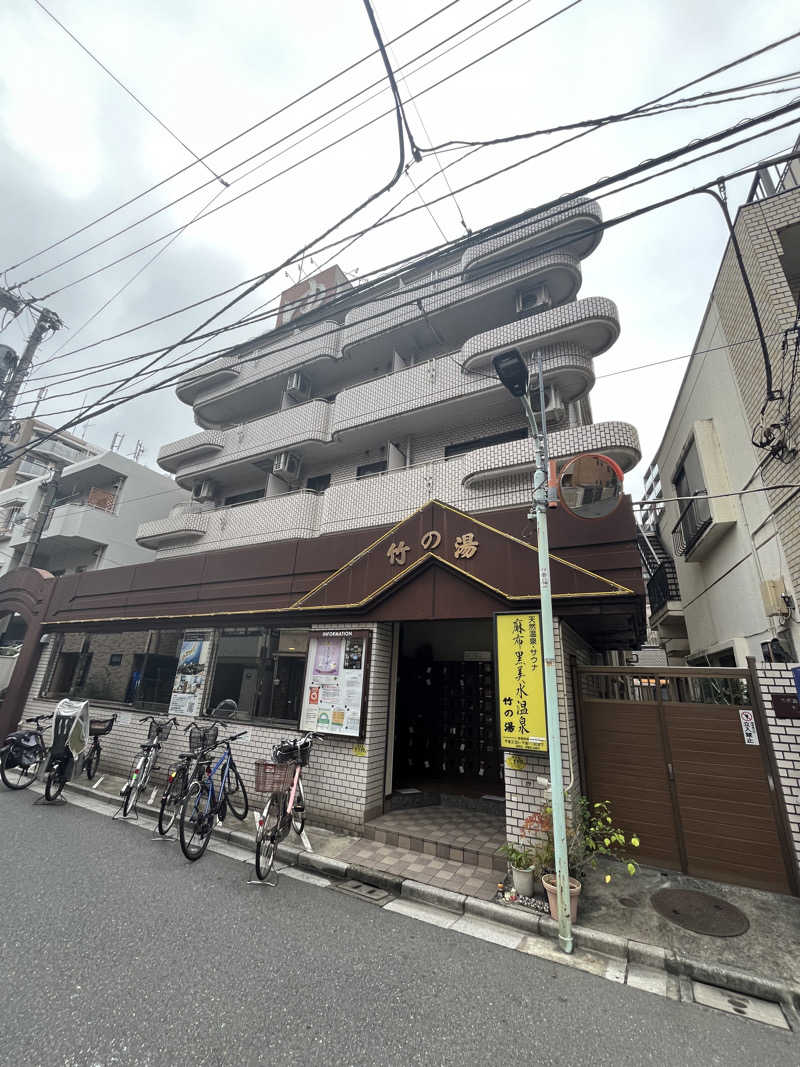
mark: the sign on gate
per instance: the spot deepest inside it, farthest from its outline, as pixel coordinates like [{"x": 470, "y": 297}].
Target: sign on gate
[
  {"x": 520, "y": 681},
  {"x": 749, "y": 731}
]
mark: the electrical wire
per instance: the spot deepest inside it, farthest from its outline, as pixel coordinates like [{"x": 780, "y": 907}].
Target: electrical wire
[
  {"x": 236, "y": 137},
  {"x": 165, "y": 383},
  {"x": 130, "y": 92},
  {"x": 420, "y": 289}
]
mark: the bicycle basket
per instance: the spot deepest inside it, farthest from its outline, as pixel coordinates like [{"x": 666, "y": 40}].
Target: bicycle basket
[
  {"x": 273, "y": 777},
  {"x": 159, "y": 731},
  {"x": 99, "y": 727},
  {"x": 202, "y": 737}
]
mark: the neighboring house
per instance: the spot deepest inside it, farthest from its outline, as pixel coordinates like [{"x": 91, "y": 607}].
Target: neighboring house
[
  {"x": 39, "y": 457},
  {"x": 725, "y": 569},
  {"x": 91, "y": 525}
]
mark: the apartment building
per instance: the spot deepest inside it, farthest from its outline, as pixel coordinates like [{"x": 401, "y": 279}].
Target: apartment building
[
  {"x": 100, "y": 501},
  {"x": 40, "y": 455},
  {"x": 724, "y": 560},
  {"x": 357, "y": 514}
]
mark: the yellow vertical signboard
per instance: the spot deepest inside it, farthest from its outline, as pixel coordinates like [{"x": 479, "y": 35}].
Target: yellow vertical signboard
[{"x": 520, "y": 682}]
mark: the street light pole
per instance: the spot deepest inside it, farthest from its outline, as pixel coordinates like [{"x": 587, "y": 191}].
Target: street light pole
[{"x": 511, "y": 376}]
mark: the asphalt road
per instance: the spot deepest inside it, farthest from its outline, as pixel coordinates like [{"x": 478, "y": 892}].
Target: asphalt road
[{"x": 116, "y": 950}]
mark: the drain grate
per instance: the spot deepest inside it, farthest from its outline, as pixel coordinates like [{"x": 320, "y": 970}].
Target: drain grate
[
  {"x": 364, "y": 892},
  {"x": 760, "y": 1011},
  {"x": 700, "y": 912}
]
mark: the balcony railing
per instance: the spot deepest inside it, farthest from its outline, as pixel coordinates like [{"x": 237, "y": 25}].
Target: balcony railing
[
  {"x": 29, "y": 468},
  {"x": 663, "y": 587},
  {"x": 694, "y": 520}
]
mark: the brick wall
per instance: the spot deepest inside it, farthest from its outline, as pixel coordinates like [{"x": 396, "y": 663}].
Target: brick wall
[{"x": 785, "y": 734}]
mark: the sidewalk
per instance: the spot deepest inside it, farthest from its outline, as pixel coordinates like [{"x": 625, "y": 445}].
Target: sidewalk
[{"x": 616, "y": 919}]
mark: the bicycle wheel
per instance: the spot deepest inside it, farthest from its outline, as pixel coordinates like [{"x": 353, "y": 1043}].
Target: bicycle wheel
[
  {"x": 93, "y": 762},
  {"x": 171, "y": 803},
  {"x": 299, "y": 809},
  {"x": 267, "y": 837},
  {"x": 236, "y": 794},
  {"x": 131, "y": 796},
  {"x": 53, "y": 784},
  {"x": 197, "y": 821},
  {"x": 18, "y": 777}
]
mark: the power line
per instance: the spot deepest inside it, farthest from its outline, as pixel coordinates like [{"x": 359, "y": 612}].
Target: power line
[
  {"x": 236, "y": 137},
  {"x": 130, "y": 92},
  {"x": 544, "y": 247},
  {"x": 633, "y": 214},
  {"x": 293, "y": 166}
]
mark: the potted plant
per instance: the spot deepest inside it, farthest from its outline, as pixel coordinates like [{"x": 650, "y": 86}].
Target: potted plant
[
  {"x": 593, "y": 834},
  {"x": 521, "y": 860}
]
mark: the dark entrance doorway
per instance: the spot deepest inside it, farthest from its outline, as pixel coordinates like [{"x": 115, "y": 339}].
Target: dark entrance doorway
[{"x": 445, "y": 715}]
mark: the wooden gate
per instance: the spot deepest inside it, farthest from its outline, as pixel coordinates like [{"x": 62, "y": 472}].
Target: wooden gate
[{"x": 667, "y": 747}]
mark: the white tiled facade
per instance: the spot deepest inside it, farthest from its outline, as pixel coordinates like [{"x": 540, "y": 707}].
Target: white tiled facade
[
  {"x": 785, "y": 736},
  {"x": 395, "y": 376}
]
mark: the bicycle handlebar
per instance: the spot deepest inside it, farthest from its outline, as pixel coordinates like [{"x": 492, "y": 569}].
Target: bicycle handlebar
[{"x": 39, "y": 718}]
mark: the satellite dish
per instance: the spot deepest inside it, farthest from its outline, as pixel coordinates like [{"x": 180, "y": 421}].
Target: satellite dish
[{"x": 590, "y": 486}]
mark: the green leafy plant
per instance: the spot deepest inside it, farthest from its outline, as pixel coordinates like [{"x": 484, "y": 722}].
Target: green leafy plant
[{"x": 591, "y": 835}]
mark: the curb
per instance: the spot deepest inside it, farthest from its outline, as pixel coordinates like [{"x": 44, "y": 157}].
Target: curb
[{"x": 684, "y": 968}]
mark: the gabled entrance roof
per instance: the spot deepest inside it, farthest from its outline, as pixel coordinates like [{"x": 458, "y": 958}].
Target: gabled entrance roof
[{"x": 436, "y": 533}]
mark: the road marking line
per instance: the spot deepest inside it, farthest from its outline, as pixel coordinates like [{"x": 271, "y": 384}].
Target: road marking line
[
  {"x": 152, "y": 795},
  {"x": 99, "y": 780}
]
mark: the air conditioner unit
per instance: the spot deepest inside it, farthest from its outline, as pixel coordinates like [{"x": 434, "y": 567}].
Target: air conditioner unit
[
  {"x": 298, "y": 387},
  {"x": 204, "y": 490},
  {"x": 286, "y": 466},
  {"x": 532, "y": 301}
]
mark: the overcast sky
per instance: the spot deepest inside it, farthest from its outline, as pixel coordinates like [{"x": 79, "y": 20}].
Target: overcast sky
[{"x": 73, "y": 145}]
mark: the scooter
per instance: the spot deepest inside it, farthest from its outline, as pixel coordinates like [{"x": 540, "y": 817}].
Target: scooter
[{"x": 70, "y": 747}]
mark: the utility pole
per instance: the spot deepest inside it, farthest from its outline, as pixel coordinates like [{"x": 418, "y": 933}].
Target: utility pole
[{"x": 50, "y": 491}]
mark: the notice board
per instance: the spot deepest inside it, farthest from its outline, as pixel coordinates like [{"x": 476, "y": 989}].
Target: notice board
[
  {"x": 336, "y": 683},
  {"x": 519, "y": 667}
]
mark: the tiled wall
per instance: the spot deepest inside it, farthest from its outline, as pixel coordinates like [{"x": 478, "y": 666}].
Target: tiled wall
[
  {"x": 343, "y": 789},
  {"x": 785, "y": 734}
]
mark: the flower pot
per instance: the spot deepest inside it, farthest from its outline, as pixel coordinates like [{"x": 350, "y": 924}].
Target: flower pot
[
  {"x": 549, "y": 883},
  {"x": 522, "y": 877}
]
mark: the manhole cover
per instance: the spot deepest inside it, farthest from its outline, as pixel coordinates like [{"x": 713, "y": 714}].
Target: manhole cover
[{"x": 700, "y": 912}]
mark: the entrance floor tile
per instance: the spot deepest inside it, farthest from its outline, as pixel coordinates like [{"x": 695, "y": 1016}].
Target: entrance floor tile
[{"x": 457, "y": 835}]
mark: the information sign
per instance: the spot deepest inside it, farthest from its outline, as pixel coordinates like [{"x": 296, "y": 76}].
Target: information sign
[
  {"x": 520, "y": 682},
  {"x": 335, "y": 688}
]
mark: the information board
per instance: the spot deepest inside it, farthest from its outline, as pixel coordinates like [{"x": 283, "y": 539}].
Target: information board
[
  {"x": 190, "y": 675},
  {"x": 520, "y": 682},
  {"x": 335, "y": 683}
]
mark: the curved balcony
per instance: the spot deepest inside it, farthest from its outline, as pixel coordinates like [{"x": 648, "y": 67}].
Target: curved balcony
[
  {"x": 172, "y": 456},
  {"x": 179, "y": 526},
  {"x": 617, "y": 440},
  {"x": 572, "y": 226},
  {"x": 222, "y": 371},
  {"x": 277, "y": 518},
  {"x": 253, "y": 442},
  {"x": 592, "y": 323},
  {"x": 261, "y": 372},
  {"x": 441, "y": 309}
]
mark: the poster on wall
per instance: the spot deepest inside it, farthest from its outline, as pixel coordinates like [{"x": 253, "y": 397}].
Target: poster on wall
[
  {"x": 520, "y": 682},
  {"x": 190, "y": 675},
  {"x": 334, "y": 690}
]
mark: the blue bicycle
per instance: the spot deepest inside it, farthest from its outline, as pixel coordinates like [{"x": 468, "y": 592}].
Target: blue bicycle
[{"x": 218, "y": 789}]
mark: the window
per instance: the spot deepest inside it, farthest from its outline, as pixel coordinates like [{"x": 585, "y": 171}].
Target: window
[
  {"x": 695, "y": 514},
  {"x": 244, "y": 498},
  {"x": 790, "y": 260},
  {"x": 484, "y": 442},
  {"x": 319, "y": 483},
  {"x": 368, "y": 469},
  {"x": 263, "y": 671}
]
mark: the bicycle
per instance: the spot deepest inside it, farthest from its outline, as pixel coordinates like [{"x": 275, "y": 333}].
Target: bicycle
[
  {"x": 23, "y": 754},
  {"x": 145, "y": 762},
  {"x": 286, "y": 802},
  {"x": 183, "y": 772},
  {"x": 204, "y": 803}
]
